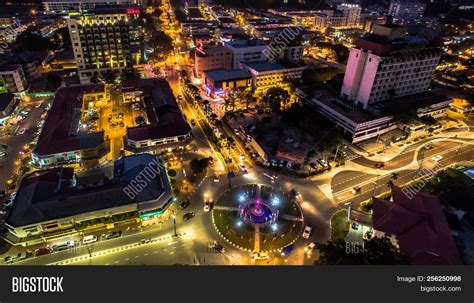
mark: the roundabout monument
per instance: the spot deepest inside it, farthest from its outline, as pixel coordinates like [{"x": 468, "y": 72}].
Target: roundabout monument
[{"x": 257, "y": 218}]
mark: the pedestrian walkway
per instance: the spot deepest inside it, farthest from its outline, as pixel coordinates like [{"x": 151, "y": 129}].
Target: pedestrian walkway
[{"x": 256, "y": 246}]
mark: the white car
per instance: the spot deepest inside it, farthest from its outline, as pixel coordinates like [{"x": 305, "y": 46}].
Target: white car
[
  {"x": 437, "y": 158},
  {"x": 22, "y": 131},
  {"x": 308, "y": 249},
  {"x": 89, "y": 239},
  {"x": 307, "y": 231}
]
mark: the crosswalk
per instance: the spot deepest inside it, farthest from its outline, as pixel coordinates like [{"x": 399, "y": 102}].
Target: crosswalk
[{"x": 351, "y": 154}]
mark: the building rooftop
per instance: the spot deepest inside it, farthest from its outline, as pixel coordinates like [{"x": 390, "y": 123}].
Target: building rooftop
[
  {"x": 165, "y": 116},
  {"x": 9, "y": 68},
  {"x": 51, "y": 194},
  {"x": 420, "y": 225},
  {"x": 328, "y": 97},
  {"x": 225, "y": 75},
  {"x": 245, "y": 43},
  {"x": 5, "y": 100},
  {"x": 60, "y": 129},
  {"x": 273, "y": 66}
]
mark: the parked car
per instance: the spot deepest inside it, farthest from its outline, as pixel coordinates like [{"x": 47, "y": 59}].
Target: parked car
[
  {"x": 89, "y": 239},
  {"x": 112, "y": 235},
  {"x": 437, "y": 158},
  {"x": 216, "y": 178},
  {"x": 379, "y": 164},
  {"x": 307, "y": 231},
  {"x": 17, "y": 257},
  {"x": 22, "y": 131},
  {"x": 355, "y": 226},
  {"x": 43, "y": 251}
]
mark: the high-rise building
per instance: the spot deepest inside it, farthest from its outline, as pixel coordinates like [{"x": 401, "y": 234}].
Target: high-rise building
[
  {"x": 388, "y": 64},
  {"x": 55, "y": 6},
  {"x": 406, "y": 9},
  {"x": 106, "y": 41}
]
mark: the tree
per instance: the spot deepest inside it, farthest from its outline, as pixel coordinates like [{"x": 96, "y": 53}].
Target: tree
[
  {"x": 61, "y": 37},
  {"x": 428, "y": 120},
  {"x": 32, "y": 40},
  {"x": 376, "y": 251},
  {"x": 276, "y": 98},
  {"x": 199, "y": 165}
]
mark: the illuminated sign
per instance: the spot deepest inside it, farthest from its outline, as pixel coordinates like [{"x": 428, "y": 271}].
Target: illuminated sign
[{"x": 133, "y": 11}]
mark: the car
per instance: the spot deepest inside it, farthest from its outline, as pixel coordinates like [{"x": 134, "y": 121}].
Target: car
[
  {"x": 243, "y": 168},
  {"x": 216, "y": 178},
  {"x": 193, "y": 122},
  {"x": 285, "y": 251},
  {"x": 145, "y": 241},
  {"x": 379, "y": 164},
  {"x": 219, "y": 248},
  {"x": 308, "y": 249},
  {"x": 437, "y": 158},
  {"x": 356, "y": 189},
  {"x": 188, "y": 216},
  {"x": 355, "y": 226},
  {"x": 8, "y": 203},
  {"x": 17, "y": 257},
  {"x": 184, "y": 204},
  {"x": 89, "y": 239},
  {"x": 43, "y": 251},
  {"x": 22, "y": 131},
  {"x": 38, "y": 105},
  {"x": 260, "y": 256},
  {"x": 236, "y": 131},
  {"x": 294, "y": 194},
  {"x": 112, "y": 235},
  {"x": 208, "y": 206},
  {"x": 307, "y": 231}
]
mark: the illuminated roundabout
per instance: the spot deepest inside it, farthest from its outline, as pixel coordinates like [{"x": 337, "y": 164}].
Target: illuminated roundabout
[{"x": 257, "y": 218}]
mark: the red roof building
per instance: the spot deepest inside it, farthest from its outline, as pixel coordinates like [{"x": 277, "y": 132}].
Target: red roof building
[{"x": 420, "y": 225}]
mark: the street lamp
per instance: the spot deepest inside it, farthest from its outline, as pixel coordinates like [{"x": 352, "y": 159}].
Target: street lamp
[{"x": 174, "y": 224}]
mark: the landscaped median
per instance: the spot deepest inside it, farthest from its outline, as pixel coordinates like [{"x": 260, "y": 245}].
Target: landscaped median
[{"x": 339, "y": 225}]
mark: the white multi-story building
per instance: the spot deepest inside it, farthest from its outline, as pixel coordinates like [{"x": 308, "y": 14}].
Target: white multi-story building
[
  {"x": 345, "y": 16},
  {"x": 388, "y": 64},
  {"x": 55, "y": 6},
  {"x": 351, "y": 13},
  {"x": 406, "y": 9},
  {"x": 246, "y": 51},
  {"x": 12, "y": 79}
]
